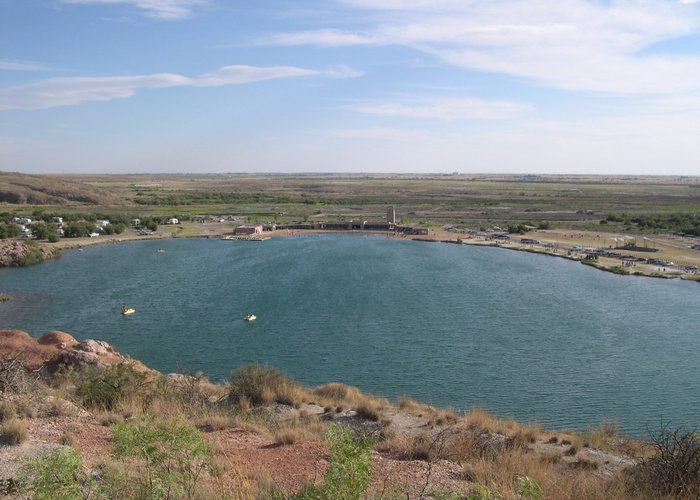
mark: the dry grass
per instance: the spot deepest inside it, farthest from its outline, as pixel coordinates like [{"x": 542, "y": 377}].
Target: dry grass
[
  {"x": 230, "y": 479},
  {"x": 300, "y": 428},
  {"x": 7, "y": 411},
  {"x": 109, "y": 418},
  {"x": 261, "y": 385},
  {"x": 436, "y": 417},
  {"x": 554, "y": 479},
  {"x": 407, "y": 447},
  {"x": 68, "y": 438},
  {"x": 215, "y": 422},
  {"x": 59, "y": 407},
  {"x": 13, "y": 432}
]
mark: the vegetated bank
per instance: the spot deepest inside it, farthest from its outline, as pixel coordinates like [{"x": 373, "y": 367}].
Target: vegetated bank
[{"x": 78, "y": 419}]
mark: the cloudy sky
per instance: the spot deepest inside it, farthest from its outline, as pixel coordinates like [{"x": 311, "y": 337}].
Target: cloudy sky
[{"x": 472, "y": 86}]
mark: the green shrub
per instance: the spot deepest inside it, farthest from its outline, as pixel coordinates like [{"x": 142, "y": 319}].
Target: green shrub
[
  {"x": 103, "y": 387},
  {"x": 173, "y": 456},
  {"x": 528, "y": 488},
  {"x": 58, "y": 476},
  {"x": 349, "y": 472}
]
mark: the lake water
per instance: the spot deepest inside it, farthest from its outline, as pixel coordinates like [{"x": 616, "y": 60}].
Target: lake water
[{"x": 522, "y": 335}]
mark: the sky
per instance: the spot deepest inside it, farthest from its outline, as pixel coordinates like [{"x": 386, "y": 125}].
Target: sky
[{"x": 355, "y": 86}]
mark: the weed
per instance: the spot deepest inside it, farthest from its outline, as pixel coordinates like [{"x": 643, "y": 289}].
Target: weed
[
  {"x": 7, "y": 411},
  {"x": 67, "y": 439},
  {"x": 173, "y": 456},
  {"x": 528, "y": 488},
  {"x": 13, "y": 432},
  {"x": 58, "y": 475},
  {"x": 349, "y": 469}
]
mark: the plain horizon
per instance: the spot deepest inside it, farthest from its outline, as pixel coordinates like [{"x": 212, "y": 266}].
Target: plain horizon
[{"x": 544, "y": 87}]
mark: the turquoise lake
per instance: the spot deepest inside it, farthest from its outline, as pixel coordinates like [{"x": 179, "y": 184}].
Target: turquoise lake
[{"x": 522, "y": 335}]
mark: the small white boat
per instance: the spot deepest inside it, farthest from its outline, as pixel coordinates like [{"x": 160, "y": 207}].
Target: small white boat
[
  {"x": 128, "y": 311},
  {"x": 250, "y": 317}
]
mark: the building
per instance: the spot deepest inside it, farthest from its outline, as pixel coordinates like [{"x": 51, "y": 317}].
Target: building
[
  {"x": 391, "y": 215},
  {"x": 248, "y": 230},
  {"x": 173, "y": 220}
]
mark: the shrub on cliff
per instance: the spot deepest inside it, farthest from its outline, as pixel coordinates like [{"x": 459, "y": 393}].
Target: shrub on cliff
[
  {"x": 105, "y": 386},
  {"x": 674, "y": 469},
  {"x": 59, "y": 475},
  {"x": 263, "y": 385}
]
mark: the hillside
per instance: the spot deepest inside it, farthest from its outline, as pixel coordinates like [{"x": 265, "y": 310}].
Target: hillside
[
  {"x": 93, "y": 423},
  {"x": 22, "y": 189}
]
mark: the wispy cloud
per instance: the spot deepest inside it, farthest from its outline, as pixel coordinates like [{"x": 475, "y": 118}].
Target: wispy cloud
[
  {"x": 384, "y": 134},
  {"x": 445, "y": 109},
  {"x": 605, "y": 47},
  {"x": 17, "y": 65},
  {"x": 55, "y": 92},
  {"x": 165, "y": 10},
  {"x": 323, "y": 37}
]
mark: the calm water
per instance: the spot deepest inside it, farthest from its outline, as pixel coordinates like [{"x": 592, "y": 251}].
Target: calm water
[{"x": 528, "y": 336}]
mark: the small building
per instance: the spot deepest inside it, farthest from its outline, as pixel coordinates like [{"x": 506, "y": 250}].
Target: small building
[
  {"x": 173, "y": 220},
  {"x": 248, "y": 230},
  {"x": 136, "y": 222}
]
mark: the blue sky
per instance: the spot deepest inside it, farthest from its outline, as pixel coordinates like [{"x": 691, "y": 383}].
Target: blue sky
[{"x": 415, "y": 86}]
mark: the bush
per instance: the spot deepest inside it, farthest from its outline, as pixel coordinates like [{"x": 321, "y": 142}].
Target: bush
[
  {"x": 58, "y": 475},
  {"x": 262, "y": 385},
  {"x": 13, "y": 432},
  {"x": 674, "y": 469},
  {"x": 15, "y": 378},
  {"x": 173, "y": 456},
  {"x": 104, "y": 387}
]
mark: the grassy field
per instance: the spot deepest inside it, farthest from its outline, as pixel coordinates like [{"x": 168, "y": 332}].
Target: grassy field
[{"x": 573, "y": 202}]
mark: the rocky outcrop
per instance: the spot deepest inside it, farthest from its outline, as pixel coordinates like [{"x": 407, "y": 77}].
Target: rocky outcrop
[
  {"x": 20, "y": 253},
  {"x": 55, "y": 349}
]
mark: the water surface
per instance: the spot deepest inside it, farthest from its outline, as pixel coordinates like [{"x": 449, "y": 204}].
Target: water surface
[{"x": 522, "y": 335}]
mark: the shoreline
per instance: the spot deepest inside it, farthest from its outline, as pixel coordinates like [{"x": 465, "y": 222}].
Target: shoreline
[{"x": 546, "y": 237}]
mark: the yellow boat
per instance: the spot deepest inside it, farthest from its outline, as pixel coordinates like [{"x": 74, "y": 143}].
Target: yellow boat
[
  {"x": 127, "y": 311},
  {"x": 250, "y": 317}
]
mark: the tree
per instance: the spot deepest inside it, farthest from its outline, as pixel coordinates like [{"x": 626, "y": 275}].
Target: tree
[
  {"x": 43, "y": 231},
  {"x": 9, "y": 231}
]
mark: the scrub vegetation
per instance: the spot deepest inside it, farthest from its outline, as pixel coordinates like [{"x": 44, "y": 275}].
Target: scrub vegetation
[{"x": 164, "y": 441}]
